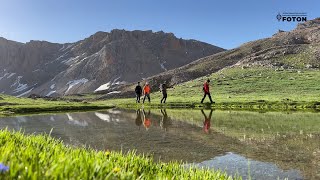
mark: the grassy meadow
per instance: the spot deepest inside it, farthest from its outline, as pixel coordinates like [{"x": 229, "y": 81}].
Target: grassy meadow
[
  {"x": 238, "y": 88},
  {"x": 42, "y": 157},
  {"x": 253, "y": 84}
]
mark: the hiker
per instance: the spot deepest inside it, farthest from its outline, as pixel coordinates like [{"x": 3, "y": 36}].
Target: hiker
[
  {"x": 206, "y": 123},
  {"x": 138, "y": 91},
  {"x": 206, "y": 91},
  {"x": 163, "y": 89},
  {"x": 146, "y": 92}
]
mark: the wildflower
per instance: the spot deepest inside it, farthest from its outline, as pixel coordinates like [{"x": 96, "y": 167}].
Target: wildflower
[
  {"x": 3, "y": 168},
  {"x": 116, "y": 170}
]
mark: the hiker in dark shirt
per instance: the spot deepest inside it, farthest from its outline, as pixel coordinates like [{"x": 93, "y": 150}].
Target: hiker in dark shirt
[
  {"x": 163, "y": 89},
  {"x": 138, "y": 91}
]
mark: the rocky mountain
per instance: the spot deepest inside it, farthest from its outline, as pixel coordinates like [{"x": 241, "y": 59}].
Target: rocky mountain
[
  {"x": 296, "y": 49},
  {"x": 99, "y": 62}
]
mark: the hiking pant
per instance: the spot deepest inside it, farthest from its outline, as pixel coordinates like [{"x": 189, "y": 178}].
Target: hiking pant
[
  {"x": 204, "y": 96},
  {"x": 164, "y": 97},
  {"x": 146, "y": 95},
  {"x": 138, "y": 98}
]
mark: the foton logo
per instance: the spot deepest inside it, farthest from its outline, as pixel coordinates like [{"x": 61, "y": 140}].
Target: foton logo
[{"x": 292, "y": 17}]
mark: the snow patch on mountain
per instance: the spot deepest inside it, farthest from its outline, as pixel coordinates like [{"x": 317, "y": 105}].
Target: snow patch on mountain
[
  {"x": 109, "y": 84},
  {"x": 25, "y": 93},
  {"x": 71, "y": 60},
  {"x": 114, "y": 92},
  {"x": 103, "y": 87},
  {"x": 162, "y": 66},
  {"x": 50, "y": 93},
  {"x": 6, "y": 74},
  {"x": 119, "y": 83},
  {"x": 52, "y": 86},
  {"x": 116, "y": 82},
  {"x": 19, "y": 87},
  {"x": 12, "y": 74},
  {"x": 75, "y": 82}
]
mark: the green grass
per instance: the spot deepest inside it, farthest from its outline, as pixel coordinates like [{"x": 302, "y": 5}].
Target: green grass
[
  {"x": 14, "y": 106},
  {"x": 42, "y": 157},
  {"x": 252, "y": 88},
  {"x": 245, "y": 85}
]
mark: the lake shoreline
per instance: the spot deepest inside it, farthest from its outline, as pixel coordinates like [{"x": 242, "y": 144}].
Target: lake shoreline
[
  {"x": 12, "y": 106},
  {"x": 12, "y": 109}
]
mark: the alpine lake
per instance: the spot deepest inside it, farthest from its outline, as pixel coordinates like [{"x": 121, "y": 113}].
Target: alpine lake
[{"x": 253, "y": 145}]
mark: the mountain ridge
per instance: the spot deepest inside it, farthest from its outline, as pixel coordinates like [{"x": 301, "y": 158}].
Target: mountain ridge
[{"x": 115, "y": 57}]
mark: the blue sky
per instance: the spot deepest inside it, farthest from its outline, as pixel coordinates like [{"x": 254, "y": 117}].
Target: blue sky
[{"x": 226, "y": 23}]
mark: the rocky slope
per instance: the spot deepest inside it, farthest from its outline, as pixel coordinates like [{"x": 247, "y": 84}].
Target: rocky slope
[
  {"x": 100, "y": 62},
  {"x": 296, "y": 49}
]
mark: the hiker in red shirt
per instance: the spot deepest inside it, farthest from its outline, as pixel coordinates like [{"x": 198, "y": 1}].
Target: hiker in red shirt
[
  {"x": 146, "y": 92},
  {"x": 206, "y": 123},
  {"x": 206, "y": 91}
]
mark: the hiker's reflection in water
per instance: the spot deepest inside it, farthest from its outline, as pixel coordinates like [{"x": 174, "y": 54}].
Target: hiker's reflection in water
[
  {"x": 164, "y": 122},
  {"x": 206, "y": 123},
  {"x": 146, "y": 119},
  {"x": 138, "y": 118}
]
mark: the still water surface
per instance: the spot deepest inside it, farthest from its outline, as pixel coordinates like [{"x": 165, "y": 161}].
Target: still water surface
[{"x": 257, "y": 145}]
